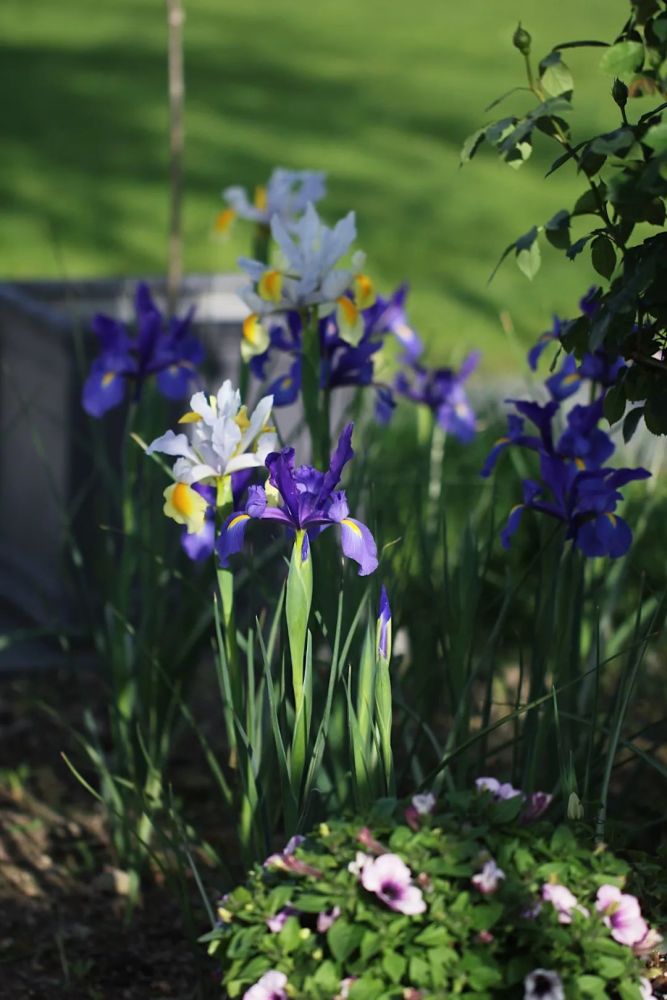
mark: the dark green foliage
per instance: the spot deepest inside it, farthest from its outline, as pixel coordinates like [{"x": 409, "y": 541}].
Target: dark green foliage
[{"x": 623, "y": 203}]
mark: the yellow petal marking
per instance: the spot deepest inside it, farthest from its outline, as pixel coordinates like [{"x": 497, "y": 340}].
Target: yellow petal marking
[
  {"x": 224, "y": 220},
  {"x": 260, "y": 198},
  {"x": 185, "y": 506},
  {"x": 580, "y": 464},
  {"x": 237, "y": 520},
  {"x": 241, "y": 419},
  {"x": 107, "y": 379},
  {"x": 190, "y": 418},
  {"x": 270, "y": 286},
  {"x": 364, "y": 291},
  {"x": 612, "y": 518},
  {"x": 350, "y": 524},
  {"x": 348, "y": 310}
]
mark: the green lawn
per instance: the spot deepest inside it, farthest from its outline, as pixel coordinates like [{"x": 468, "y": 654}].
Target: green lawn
[{"x": 378, "y": 92}]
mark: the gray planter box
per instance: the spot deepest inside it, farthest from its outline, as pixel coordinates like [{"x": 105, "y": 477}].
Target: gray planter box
[{"x": 40, "y": 417}]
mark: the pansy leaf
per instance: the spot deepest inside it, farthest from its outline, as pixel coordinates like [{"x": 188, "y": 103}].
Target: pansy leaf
[
  {"x": 343, "y": 938},
  {"x": 394, "y": 965}
]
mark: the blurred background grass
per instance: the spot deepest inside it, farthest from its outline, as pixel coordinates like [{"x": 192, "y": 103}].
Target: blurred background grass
[{"x": 380, "y": 94}]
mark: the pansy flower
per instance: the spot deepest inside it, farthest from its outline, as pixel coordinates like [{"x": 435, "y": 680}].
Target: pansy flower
[
  {"x": 307, "y": 501},
  {"x": 166, "y": 351},
  {"x": 543, "y": 984},
  {"x": 390, "y": 879},
  {"x": 271, "y": 986},
  {"x": 487, "y": 881},
  {"x": 622, "y": 914},
  {"x": 563, "y": 901}
]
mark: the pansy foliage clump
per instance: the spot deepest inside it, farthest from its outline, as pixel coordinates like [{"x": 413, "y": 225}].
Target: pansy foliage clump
[
  {"x": 619, "y": 218},
  {"x": 476, "y": 896},
  {"x": 574, "y": 485}
]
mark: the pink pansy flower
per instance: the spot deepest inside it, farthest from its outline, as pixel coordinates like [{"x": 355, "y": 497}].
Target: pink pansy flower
[
  {"x": 621, "y": 913},
  {"x": 367, "y": 840},
  {"x": 360, "y": 861},
  {"x": 537, "y": 804},
  {"x": 279, "y": 919},
  {"x": 345, "y": 987},
  {"x": 646, "y": 989},
  {"x": 270, "y": 987},
  {"x": 648, "y": 943},
  {"x": 327, "y": 919},
  {"x": 490, "y": 877},
  {"x": 287, "y": 852},
  {"x": 420, "y": 806},
  {"x": 498, "y": 790},
  {"x": 391, "y": 881},
  {"x": 562, "y": 901},
  {"x": 543, "y": 984},
  {"x": 485, "y": 937}
]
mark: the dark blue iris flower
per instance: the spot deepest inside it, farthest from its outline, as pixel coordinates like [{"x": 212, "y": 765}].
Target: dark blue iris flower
[
  {"x": 574, "y": 486},
  {"x": 583, "y": 500},
  {"x": 443, "y": 391},
  {"x": 342, "y": 363},
  {"x": 309, "y": 502},
  {"x": 200, "y": 545},
  {"x": 170, "y": 353}
]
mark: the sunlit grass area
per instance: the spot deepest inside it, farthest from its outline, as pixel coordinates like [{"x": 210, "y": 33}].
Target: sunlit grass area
[{"x": 379, "y": 94}]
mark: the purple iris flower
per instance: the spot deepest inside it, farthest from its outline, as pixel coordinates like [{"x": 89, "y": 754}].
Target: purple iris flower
[
  {"x": 308, "y": 501},
  {"x": 170, "y": 353},
  {"x": 585, "y": 501},
  {"x": 200, "y": 545},
  {"x": 389, "y": 316},
  {"x": 548, "y": 337},
  {"x": 442, "y": 390}
]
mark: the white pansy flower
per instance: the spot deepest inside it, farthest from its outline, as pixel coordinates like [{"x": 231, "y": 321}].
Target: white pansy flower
[{"x": 224, "y": 439}]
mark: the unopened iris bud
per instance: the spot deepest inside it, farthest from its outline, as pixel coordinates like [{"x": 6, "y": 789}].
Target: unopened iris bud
[
  {"x": 521, "y": 40},
  {"x": 575, "y": 810},
  {"x": 383, "y": 631},
  {"x": 619, "y": 92}
]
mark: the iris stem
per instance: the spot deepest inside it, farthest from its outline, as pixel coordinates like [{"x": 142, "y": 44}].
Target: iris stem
[
  {"x": 315, "y": 399},
  {"x": 224, "y": 506},
  {"x": 297, "y": 612}
]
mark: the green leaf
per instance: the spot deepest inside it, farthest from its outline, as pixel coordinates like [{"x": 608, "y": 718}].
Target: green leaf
[
  {"x": 563, "y": 840},
  {"x": 603, "y": 256},
  {"x": 617, "y": 141},
  {"x": 627, "y": 990},
  {"x": 631, "y": 422},
  {"x": 557, "y": 230},
  {"x": 394, "y": 965},
  {"x": 471, "y": 145},
  {"x": 367, "y": 988},
  {"x": 518, "y": 155},
  {"x": 528, "y": 255},
  {"x": 485, "y": 915},
  {"x": 610, "y": 968},
  {"x": 555, "y": 76},
  {"x": 289, "y": 936},
  {"x": 623, "y": 58},
  {"x": 506, "y": 810},
  {"x": 614, "y": 404},
  {"x": 656, "y": 137},
  {"x": 591, "y": 986},
  {"x": 420, "y": 971},
  {"x": 655, "y": 411},
  {"x": 343, "y": 938}
]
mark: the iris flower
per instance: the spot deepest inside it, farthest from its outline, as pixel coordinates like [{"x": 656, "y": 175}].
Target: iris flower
[
  {"x": 286, "y": 195},
  {"x": 225, "y": 440},
  {"x": 167, "y": 351},
  {"x": 308, "y": 276},
  {"x": 443, "y": 391},
  {"x": 307, "y": 501}
]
